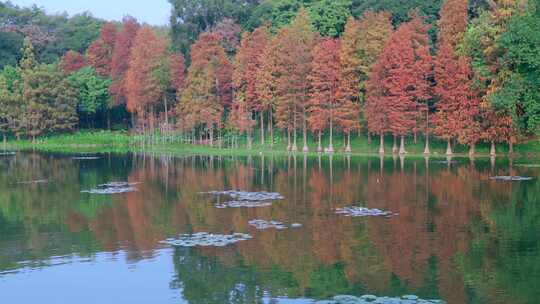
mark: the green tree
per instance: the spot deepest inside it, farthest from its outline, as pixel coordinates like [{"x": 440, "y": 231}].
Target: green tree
[
  {"x": 51, "y": 101},
  {"x": 93, "y": 93}
]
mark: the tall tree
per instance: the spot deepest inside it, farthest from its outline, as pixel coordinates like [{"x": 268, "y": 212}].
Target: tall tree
[
  {"x": 51, "y": 101},
  {"x": 292, "y": 85},
  {"x": 143, "y": 83},
  {"x": 323, "y": 105},
  {"x": 361, "y": 46},
  {"x": 458, "y": 108},
  {"x": 399, "y": 82},
  {"x": 208, "y": 86},
  {"x": 92, "y": 94},
  {"x": 247, "y": 67},
  {"x": 99, "y": 54},
  {"x": 121, "y": 58}
]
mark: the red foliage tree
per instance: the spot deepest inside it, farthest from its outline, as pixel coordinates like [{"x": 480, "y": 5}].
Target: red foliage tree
[
  {"x": 121, "y": 57},
  {"x": 208, "y": 88},
  {"x": 323, "y": 105},
  {"x": 248, "y": 64},
  {"x": 99, "y": 54},
  {"x": 453, "y": 21},
  {"x": 398, "y": 83},
  {"x": 72, "y": 62},
  {"x": 458, "y": 106},
  {"x": 293, "y": 64},
  {"x": 143, "y": 84},
  {"x": 496, "y": 127}
]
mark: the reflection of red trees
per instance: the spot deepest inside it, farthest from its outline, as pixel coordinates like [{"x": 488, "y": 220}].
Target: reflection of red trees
[{"x": 435, "y": 207}]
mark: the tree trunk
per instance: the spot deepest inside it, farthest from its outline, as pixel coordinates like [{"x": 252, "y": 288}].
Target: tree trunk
[
  {"x": 331, "y": 144},
  {"x": 415, "y": 137},
  {"x": 319, "y": 147},
  {"x": 369, "y": 138},
  {"x": 211, "y": 136},
  {"x": 395, "y": 147},
  {"x": 108, "y": 119},
  {"x": 262, "y": 128},
  {"x": 381, "y": 147},
  {"x": 249, "y": 141},
  {"x": 449, "y": 148},
  {"x": 426, "y": 149},
  {"x": 348, "y": 149},
  {"x": 271, "y": 127},
  {"x": 294, "y": 147},
  {"x": 511, "y": 147},
  {"x": 402, "y": 150},
  {"x": 166, "y": 111},
  {"x": 493, "y": 151},
  {"x": 472, "y": 150},
  {"x": 306, "y": 148},
  {"x": 289, "y": 145}
]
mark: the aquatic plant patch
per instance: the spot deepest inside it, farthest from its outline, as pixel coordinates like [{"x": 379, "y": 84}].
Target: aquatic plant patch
[
  {"x": 113, "y": 188},
  {"x": 86, "y": 158},
  {"x": 245, "y": 199},
  {"x": 363, "y": 212},
  {"x": 204, "y": 239},
  {"x": 39, "y": 181},
  {"x": 263, "y": 225},
  {"x": 347, "y": 299},
  {"x": 511, "y": 178}
]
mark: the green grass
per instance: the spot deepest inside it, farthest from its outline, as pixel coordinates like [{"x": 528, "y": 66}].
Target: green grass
[{"x": 123, "y": 141}]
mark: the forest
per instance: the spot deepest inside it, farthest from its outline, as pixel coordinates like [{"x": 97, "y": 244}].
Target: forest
[{"x": 460, "y": 71}]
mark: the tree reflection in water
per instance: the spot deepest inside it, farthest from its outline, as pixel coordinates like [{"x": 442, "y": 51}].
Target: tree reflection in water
[{"x": 459, "y": 236}]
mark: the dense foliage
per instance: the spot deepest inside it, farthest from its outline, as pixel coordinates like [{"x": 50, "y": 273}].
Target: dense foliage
[{"x": 463, "y": 71}]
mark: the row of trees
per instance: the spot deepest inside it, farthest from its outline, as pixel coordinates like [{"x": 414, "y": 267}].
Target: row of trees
[{"x": 470, "y": 82}]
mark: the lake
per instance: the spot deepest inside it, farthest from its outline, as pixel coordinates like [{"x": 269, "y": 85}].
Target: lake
[{"x": 451, "y": 233}]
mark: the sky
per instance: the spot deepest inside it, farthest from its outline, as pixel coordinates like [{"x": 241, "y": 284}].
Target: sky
[{"x": 154, "y": 12}]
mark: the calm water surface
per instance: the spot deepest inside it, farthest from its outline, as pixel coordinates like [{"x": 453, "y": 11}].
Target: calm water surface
[{"x": 459, "y": 236}]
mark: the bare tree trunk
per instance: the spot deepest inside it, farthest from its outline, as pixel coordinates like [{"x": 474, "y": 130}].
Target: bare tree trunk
[
  {"x": 511, "y": 147},
  {"x": 319, "y": 147},
  {"x": 4, "y": 140},
  {"x": 249, "y": 141},
  {"x": 304, "y": 122},
  {"x": 402, "y": 150},
  {"x": 262, "y": 128},
  {"x": 369, "y": 138},
  {"x": 289, "y": 145},
  {"x": 331, "y": 144},
  {"x": 493, "y": 151},
  {"x": 395, "y": 147},
  {"x": 211, "y": 136},
  {"x": 381, "y": 147},
  {"x": 271, "y": 127},
  {"x": 449, "y": 148},
  {"x": 472, "y": 150},
  {"x": 426, "y": 149},
  {"x": 348, "y": 149},
  {"x": 294, "y": 146}
]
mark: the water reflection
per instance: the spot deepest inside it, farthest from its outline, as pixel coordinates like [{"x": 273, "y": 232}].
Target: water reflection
[{"x": 459, "y": 236}]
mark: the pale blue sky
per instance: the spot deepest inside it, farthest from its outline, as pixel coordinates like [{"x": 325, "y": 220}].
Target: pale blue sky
[{"x": 155, "y": 12}]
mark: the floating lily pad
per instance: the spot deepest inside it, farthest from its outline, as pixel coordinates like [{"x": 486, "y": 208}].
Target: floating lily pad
[
  {"x": 348, "y": 299},
  {"x": 528, "y": 165},
  {"x": 113, "y": 188},
  {"x": 512, "y": 178},
  {"x": 243, "y": 204},
  {"x": 39, "y": 181},
  {"x": 248, "y": 196},
  {"x": 86, "y": 158},
  {"x": 263, "y": 225},
  {"x": 204, "y": 239},
  {"x": 245, "y": 199},
  {"x": 363, "y": 212}
]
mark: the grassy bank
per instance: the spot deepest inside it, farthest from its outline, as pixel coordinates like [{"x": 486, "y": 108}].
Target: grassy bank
[{"x": 123, "y": 141}]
